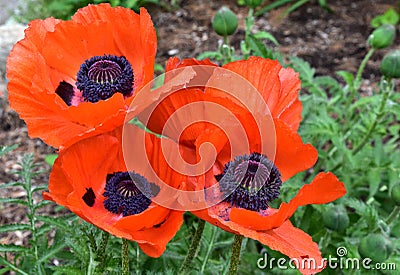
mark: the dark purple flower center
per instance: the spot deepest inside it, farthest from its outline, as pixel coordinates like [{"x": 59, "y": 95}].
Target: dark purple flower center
[
  {"x": 99, "y": 78},
  {"x": 127, "y": 193},
  {"x": 102, "y": 76},
  {"x": 252, "y": 182}
]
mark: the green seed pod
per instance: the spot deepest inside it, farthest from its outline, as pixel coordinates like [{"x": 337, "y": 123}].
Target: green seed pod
[
  {"x": 224, "y": 22},
  {"x": 382, "y": 37},
  {"x": 252, "y": 3},
  {"x": 390, "y": 65},
  {"x": 376, "y": 247},
  {"x": 396, "y": 193},
  {"x": 336, "y": 218}
]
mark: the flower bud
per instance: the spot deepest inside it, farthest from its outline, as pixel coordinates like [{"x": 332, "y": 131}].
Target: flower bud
[
  {"x": 252, "y": 3},
  {"x": 390, "y": 65},
  {"x": 376, "y": 247},
  {"x": 336, "y": 218},
  {"x": 396, "y": 193},
  {"x": 382, "y": 37},
  {"x": 224, "y": 22}
]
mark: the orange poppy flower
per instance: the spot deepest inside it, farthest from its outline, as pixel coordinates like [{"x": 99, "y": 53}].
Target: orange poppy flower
[
  {"x": 74, "y": 79},
  {"x": 249, "y": 181},
  {"x": 96, "y": 185}
]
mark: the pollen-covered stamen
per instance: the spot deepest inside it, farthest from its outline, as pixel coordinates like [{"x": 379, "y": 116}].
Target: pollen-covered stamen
[
  {"x": 127, "y": 193},
  {"x": 102, "y": 76},
  {"x": 252, "y": 182}
]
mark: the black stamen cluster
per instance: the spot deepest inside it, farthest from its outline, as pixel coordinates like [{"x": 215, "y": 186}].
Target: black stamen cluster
[
  {"x": 252, "y": 182},
  {"x": 124, "y": 193},
  {"x": 102, "y": 76}
]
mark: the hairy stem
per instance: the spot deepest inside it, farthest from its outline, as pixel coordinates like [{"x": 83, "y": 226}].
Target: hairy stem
[
  {"x": 235, "y": 258},
  {"x": 193, "y": 247},
  {"x": 125, "y": 257}
]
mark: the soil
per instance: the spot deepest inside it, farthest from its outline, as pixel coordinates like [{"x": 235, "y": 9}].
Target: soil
[{"x": 328, "y": 41}]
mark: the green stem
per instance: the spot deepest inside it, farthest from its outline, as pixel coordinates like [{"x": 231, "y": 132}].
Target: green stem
[
  {"x": 193, "y": 247},
  {"x": 249, "y": 22},
  {"x": 210, "y": 247},
  {"x": 361, "y": 68},
  {"x": 393, "y": 215},
  {"x": 357, "y": 81},
  {"x": 379, "y": 116},
  {"x": 125, "y": 257},
  {"x": 101, "y": 250},
  {"x": 235, "y": 258}
]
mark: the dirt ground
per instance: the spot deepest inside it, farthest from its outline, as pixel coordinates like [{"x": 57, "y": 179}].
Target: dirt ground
[{"x": 328, "y": 41}]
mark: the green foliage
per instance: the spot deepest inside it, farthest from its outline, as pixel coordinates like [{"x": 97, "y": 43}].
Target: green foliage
[
  {"x": 389, "y": 17},
  {"x": 293, "y": 5},
  {"x": 66, "y": 8}
]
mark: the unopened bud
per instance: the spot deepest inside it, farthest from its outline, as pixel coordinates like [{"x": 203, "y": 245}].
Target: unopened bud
[
  {"x": 224, "y": 22},
  {"x": 390, "y": 65},
  {"x": 382, "y": 37}
]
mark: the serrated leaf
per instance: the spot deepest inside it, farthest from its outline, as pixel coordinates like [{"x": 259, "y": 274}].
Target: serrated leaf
[
  {"x": 14, "y": 227},
  {"x": 40, "y": 188},
  {"x": 303, "y": 67},
  {"x": 58, "y": 222},
  {"x": 13, "y": 201},
  {"x": 13, "y": 248},
  {"x": 12, "y": 184},
  {"x": 257, "y": 46},
  {"x": 266, "y": 35},
  {"x": 5, "y": 149},
  {"x": 50, "y": 252}
]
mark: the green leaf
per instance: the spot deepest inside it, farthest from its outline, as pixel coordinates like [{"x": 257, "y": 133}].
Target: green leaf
[
  {"x": 66, "y": 270},
  {"x": 13, "y": 248},
  {"x": 14, "y": 227},
  {"x": 12, "y": 184},
  {"x": 209, "y": 54},
  {"x": 5, "y": 149},
  {"x": 14, "y": 201},
  {"x": 50, "y": 252},
  {"x": 324, "y": 5},
  {"x": 257, "y": 46},
  {"x": 266, "y": 35},
  {"x": 50, "y": 159},
  {"x": 374, "y": 179},
  {"x": 58, "y": 222},
  {"x": 273, "y": 5},
  {"x": 11, "y": 266},
  {"x": 389, "y": 17},
  {"x": 303, "y": 67},
  {"x": 347, "y": 76}
]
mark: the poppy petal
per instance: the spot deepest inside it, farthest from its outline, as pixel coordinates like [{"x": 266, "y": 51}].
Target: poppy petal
[
  {"x": 324, "y": 188},
  {"x": 292, "y": 155},
  {"x": 153, "y": 241},
  {"x": 278, "y": 86},
  {"x": 294, "y": 243},
  {"x": 52, "y": 52}
]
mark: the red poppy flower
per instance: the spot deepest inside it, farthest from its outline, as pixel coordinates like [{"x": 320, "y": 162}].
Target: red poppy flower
[
  {"x": 248, "y": 182},
  {"x": 91, "y": 179},
  {"x": 73, "y": 79}
]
